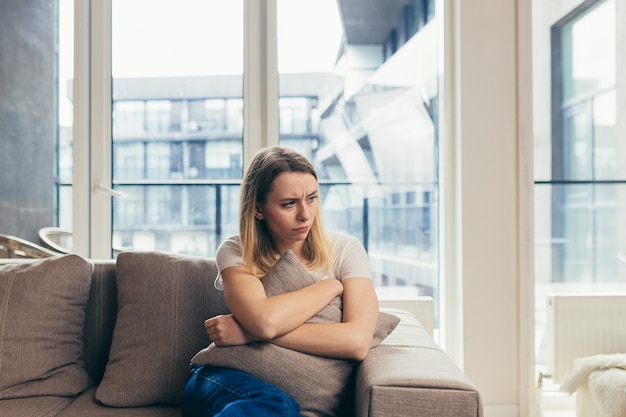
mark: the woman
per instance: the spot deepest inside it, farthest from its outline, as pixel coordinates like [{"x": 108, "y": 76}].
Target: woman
[{"x": 279, "y": 211}]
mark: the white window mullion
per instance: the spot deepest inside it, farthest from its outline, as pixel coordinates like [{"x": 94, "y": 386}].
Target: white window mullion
[
  {"x": 81, "y": 176},
  {"x": 451, "y": 284},
  {"x": 100, "y": 160},
  {"x": 260, "y": 77}
]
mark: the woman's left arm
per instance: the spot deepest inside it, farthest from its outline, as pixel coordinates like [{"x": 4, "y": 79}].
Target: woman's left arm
[{"x": 350, "y": 339}]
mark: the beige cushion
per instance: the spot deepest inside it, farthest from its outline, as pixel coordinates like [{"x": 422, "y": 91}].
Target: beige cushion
[
  {"x": 163, "y": 300},
  {"x": 318, "y": 384},
  {"x": 42, "y": 312}
]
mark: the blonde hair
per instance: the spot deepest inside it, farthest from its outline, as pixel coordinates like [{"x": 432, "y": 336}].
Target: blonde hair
[{"x": 256, "y": 241}]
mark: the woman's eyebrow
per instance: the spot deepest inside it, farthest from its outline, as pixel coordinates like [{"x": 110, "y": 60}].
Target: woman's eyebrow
[{"x": 296, "y": 198}]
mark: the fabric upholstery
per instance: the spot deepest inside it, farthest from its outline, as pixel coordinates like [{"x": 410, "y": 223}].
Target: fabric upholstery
[
  {"x": 87, "y": 406},
  {"x": 409, "y": 375},
  {"x": 162, "y": 302},
  {"x": 41, "y": 406},
  {"x": 318, "y": 384},
  {"x": 406, "y": 374},
  {"x": 100, "y": 318},
  {"x": 42, "y": 313}
]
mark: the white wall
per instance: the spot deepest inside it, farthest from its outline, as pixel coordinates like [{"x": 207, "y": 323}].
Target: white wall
[{"x": 492, "y": 147}]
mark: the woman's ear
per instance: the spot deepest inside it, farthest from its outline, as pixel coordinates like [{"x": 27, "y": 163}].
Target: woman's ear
[{"x": 258, "y": 213}]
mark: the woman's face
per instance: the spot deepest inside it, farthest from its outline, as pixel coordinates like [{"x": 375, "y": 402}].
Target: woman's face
[{"x": 289, "y": 209}]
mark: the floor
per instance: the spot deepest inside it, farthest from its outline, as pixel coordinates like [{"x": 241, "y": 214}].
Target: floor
[
  {"x": 557, "y": 404},
  {"x": 554, "y": 403}
]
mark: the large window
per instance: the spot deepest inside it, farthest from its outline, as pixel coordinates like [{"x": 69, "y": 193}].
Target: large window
[
  {"x": 577, "y": 188},
  {"x": 177, "y": 123},
  {"x": 360, "y": 103},
  {"x": 583, "y": 213},
  {"x": 579, "y": 185}
]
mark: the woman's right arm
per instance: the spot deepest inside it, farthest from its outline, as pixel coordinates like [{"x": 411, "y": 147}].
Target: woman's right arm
[{"x": 270, "y": 317}]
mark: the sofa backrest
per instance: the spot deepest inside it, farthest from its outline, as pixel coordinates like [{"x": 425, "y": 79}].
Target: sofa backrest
[
  {"x": 102, "y": 312},
  {"x": 100, "y": 318}
]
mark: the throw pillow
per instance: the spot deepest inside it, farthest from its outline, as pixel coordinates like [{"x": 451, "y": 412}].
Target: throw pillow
[
  {"x": 317, "y": 383},
  {"x": 163, "y": 300},
  {"x": 42, "y": 312}
]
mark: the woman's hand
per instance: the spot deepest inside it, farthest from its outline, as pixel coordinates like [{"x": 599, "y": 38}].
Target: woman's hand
[
  {"x": 350, "y": 339},
  {"x": 268, "y": 317},
  {"x": 225, "y": 330}
]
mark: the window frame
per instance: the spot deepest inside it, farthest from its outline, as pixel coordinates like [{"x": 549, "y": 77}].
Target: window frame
[
  {"x": 563, "y": 172},
  {"x": 92, "y": 175}
]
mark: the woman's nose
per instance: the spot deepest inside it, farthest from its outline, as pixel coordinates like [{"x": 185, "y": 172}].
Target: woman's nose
[{"x": 303, "y": 212}]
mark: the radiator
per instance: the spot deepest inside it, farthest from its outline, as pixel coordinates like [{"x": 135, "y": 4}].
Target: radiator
[{"x": 582, "y": 325}]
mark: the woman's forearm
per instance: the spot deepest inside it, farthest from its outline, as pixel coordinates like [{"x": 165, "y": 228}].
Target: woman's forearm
[
  {"x": 350, "y": 339},
  {"x": 271, "y": 317},
  {"x": 336, "y": 340}
]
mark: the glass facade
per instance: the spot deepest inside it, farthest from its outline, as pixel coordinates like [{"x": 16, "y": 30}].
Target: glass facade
[{"x": 178, "y": 163}]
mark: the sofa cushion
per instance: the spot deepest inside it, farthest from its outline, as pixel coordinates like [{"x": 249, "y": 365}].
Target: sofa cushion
[
  {"x": 86, "y": 405},
  {"x": 318, "y": 384},
  {"x": 43, "y": 406},
  {"x": 163, "y": 300},
  {"x": 42, "y": 313},
  {"x": 100, "y": 317}
]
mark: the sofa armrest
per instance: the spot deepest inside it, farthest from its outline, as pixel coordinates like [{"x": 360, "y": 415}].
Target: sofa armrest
[{"x": 409, "y": 375}]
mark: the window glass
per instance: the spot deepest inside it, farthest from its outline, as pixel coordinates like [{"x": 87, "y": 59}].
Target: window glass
[
  {"x": 579, "y": 189},
  {"x": 588, "y": 48},
  {"x": 588, "y": 151},
  {"x": 604, "y": 122},
  {"x": 177, "y": 122},
  {"x": 360, "y": 98},
  {"x": 64, "y": 146},
  {"x": 128, "y": 118},
  {"x": 577, "y": 146}
]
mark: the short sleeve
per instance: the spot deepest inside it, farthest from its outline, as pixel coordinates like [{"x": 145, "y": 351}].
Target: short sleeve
[
  {"x": 229, "y": 253},
  {"x": 351, "y": 259}
]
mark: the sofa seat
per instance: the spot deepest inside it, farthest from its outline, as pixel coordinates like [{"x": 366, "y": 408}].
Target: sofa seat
[
  {"x": 86, "y": 405},
  {"x": 48, "y": 406}
]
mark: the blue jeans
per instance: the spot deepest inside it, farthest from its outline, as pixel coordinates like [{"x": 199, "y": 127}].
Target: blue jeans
[{"x": 222, "y": 392}]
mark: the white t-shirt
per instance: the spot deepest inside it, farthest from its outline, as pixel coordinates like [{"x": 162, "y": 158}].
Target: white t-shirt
[{"x": 351, "y": 260}]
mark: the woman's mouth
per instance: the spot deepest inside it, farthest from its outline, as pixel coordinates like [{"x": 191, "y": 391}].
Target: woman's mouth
[{"x": 303, "y": 229}]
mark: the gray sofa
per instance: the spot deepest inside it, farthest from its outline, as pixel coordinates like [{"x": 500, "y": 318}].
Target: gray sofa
[{"x": 126, "y": 329}]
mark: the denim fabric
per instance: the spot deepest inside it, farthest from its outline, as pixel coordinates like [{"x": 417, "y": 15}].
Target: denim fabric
[{"x": 223, "y": 392}]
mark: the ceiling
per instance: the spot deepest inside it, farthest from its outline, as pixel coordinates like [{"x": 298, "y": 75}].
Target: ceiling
[{"x": 369, "y": 21}]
